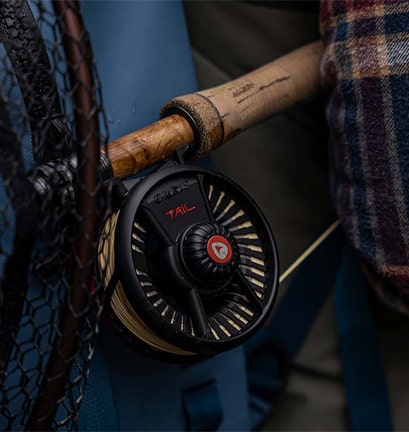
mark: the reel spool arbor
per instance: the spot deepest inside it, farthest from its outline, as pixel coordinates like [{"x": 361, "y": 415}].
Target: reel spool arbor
[{"x": 192, "y": 267}]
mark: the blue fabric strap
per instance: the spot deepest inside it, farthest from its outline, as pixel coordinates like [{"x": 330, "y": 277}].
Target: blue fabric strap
[
  {"x": 366, "y": 389},
  {"x": 98, "y": 409},
  {"x": 203, "y": 407},
  {"x": 270, "y": 353}
]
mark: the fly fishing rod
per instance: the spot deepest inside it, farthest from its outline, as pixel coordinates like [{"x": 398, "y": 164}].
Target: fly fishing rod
[
  {"x": 206, "y": 119},
  {"x": 183, "y": 258}
]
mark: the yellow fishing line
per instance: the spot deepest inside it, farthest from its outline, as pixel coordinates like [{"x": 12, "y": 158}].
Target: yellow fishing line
[{"x": 119, "y": 302}]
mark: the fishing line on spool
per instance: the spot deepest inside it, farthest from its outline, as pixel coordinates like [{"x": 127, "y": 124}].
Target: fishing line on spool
[{"x": 119, "y": 302}]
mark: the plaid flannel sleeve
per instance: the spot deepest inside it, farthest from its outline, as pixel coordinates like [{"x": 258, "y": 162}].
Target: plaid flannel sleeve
[{"x": 366, "y": 70}]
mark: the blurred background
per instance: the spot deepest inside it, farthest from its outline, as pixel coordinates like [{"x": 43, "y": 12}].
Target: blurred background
[{"x": 282, "y": 163}]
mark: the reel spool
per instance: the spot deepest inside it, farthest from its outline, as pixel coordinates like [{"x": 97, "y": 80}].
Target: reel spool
[{"x": 191, "y": 267}]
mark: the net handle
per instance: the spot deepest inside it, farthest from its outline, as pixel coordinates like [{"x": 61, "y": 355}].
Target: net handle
[
  {"x": 79, "y": 59},
  {"x": 211, "y": 117}
]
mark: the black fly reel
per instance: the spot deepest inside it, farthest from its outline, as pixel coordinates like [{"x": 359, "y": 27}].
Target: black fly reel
[{"x": 192, "y": 267}]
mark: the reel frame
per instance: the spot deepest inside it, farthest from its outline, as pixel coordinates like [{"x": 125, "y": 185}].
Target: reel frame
[{"x": 195, "y": 348}]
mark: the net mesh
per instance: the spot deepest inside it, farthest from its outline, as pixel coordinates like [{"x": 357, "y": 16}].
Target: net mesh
[{"x": 52, "y": 202}]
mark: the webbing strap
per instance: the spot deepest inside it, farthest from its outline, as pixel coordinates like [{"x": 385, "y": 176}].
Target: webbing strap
[
  {"x": 20, "y": 192},
  {"x": 203, "y": 407},
  {"x": 98, "y": 410},
  {"x": 365, "y": 383},
  {"x": 28, "y": 57},
  {"x": 270, "y": 353},
  {"x": 27, "y": 54}
]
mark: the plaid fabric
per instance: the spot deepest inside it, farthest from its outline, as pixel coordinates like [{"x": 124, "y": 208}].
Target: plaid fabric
[{"x": 366, "y": 69}]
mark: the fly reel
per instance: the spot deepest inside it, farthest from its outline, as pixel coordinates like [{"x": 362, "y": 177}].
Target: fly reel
[{"x": 191, "y": 265}]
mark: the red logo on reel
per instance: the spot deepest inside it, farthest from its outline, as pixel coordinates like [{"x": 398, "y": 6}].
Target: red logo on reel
[
  {"x": 219, "y": 249},
  {"x": 179, "y": 210}
]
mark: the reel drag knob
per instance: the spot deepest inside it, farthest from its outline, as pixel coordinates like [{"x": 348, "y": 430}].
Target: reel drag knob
[{"x": 210, "y": 255}]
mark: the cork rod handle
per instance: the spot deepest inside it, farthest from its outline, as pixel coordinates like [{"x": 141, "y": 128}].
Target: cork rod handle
[{"x": 211, "y": 117}]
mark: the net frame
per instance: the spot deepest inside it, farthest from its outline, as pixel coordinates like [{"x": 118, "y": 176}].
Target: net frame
[{"x": 56, "y": 302}]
